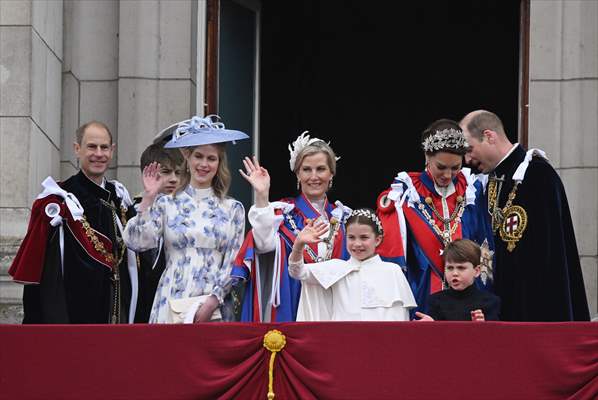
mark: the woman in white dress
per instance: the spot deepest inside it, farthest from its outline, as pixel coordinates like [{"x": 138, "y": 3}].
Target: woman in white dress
[
  {"x": 201, "y": 228},
  {"x": 363, "y": 288}
]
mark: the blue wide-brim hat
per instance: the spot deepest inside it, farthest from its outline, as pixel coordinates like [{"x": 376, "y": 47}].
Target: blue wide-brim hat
[{"x": 199, "y": 131}]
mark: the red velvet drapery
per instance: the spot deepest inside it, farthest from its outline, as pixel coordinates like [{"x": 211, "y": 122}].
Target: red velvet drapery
[{"x": 410, "y": 360}]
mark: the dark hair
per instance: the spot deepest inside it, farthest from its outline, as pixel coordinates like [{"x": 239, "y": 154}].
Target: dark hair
[
  {"x": 440, "y": 125},
  {"x": 366, "y": 216},
  {"x": 80, "y": 132},
  {"x": 462, "y": 250},
  {"x": 483, "y": 120},
  {"x": 157, "y": 153}
]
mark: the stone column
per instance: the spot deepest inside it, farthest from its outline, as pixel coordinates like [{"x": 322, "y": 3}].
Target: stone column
[
  {"x": 30, "y": 90},
  {"x": 564, "y": 113},
  {"x": 157, "y": 63},
  {"x": 89, "y": 73}
]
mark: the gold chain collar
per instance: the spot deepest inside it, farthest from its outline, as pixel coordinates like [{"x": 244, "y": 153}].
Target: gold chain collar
[
  {"x": 329, "y": 240},
  {"x": 498, "y": 214},
  {"x": 97, "y": 243},
  {"x": 450, "y": 224}
]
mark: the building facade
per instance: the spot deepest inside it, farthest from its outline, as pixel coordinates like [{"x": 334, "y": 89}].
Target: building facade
[{"x": 140, "y": 66}]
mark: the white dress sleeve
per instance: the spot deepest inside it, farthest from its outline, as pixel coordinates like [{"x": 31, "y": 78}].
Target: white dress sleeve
[
  {"x": 301, "y": 272},
  {"x": 265, "y": 228},
  {"x": 143, "y": 231},
  {"x": 315, "y": 302}
]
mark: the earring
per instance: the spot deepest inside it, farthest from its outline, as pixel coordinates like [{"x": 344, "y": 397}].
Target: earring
[
  {"x": 298, "y": 184},
  {"x": 330, "y": 184}
]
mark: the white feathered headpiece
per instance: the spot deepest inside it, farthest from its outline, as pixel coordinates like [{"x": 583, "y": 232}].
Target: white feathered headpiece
[{"x": 298, "y": 145}]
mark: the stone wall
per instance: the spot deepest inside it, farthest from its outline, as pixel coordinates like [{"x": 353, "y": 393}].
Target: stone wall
[
  {"x": 129, "y": 64},
  {"x": 31, "y": 55},
  {"x": 563, "y": 113}
]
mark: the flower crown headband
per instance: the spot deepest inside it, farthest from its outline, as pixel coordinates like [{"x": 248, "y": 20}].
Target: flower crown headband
[
  {"x": 364, "y": 212},
  {"x": 299, "y": 144},
  {"x": 446, "y": 138}
]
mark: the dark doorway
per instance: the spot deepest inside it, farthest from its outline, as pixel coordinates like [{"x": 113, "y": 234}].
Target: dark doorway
[
  {"x": 236, "y": 86},
  {"x": 370, "y": 76}
]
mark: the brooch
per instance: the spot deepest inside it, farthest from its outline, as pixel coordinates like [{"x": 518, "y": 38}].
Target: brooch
[{"x": 513, "y": 226}]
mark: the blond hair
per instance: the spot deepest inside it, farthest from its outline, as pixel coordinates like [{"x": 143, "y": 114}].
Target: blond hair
[
  {"x": 317, "y": 147},
  {"x": 222, "y": 179}
]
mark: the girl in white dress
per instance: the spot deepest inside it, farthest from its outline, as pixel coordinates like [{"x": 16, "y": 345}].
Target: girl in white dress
[
  {"x": 363, "y": 288},
  {"x": 201, "y": 228}
]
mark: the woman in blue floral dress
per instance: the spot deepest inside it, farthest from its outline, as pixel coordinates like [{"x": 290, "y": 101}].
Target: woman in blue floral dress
[{"x": 202, "y": 229}]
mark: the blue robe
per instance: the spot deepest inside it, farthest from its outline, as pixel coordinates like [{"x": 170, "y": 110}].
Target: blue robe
[
  {"x": 423, "y": 263},
  {"x": 245, "y": 266},
  {"x": 540, "y": 279}
]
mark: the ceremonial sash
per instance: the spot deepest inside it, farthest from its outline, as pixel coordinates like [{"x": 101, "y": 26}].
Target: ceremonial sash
[
  {"x": 306, "y": 210},
  {"x": 246, "y": 264},
  {"x": 29, "y": 262}
]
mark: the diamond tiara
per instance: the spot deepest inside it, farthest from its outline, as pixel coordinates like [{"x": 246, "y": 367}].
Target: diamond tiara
[{"x": 445, "y": 139}]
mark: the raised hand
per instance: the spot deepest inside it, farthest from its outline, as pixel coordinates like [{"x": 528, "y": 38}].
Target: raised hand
[
  {"x": 152, "y": 183},
  {"x": 152, "y": 180},
  {"x": 256, "y": 175},
  {"x": 311, "y": 232}
]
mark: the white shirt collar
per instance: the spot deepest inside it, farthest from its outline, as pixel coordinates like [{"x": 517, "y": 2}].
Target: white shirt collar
[
  {"x": 372, "y": 260},
  {"x": 319, "y": 206},
  {"x": 445, "y": 192},
  {"x": 199, "y": 193}
]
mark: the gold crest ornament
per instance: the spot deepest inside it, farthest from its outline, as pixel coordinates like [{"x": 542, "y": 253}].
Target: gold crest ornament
[
  {"x": 513, "y": 226},
  {"x": 510, "y": 220}
]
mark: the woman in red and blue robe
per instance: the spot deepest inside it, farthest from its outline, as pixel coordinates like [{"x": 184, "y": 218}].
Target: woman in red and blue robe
[
  {"x": 423, "y": 211},
  {"x": 271, "y": 295}
]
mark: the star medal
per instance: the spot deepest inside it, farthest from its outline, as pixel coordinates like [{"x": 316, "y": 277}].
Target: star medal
[{"x": 487, "y": 274}]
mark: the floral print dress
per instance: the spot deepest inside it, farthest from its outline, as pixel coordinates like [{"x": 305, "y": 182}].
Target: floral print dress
[{"x": 202, "y": 235}]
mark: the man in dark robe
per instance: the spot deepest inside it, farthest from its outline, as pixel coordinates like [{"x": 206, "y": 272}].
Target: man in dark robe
[
  {"x": 73, "y": 261},
  {"x": 537, "y": 270}
]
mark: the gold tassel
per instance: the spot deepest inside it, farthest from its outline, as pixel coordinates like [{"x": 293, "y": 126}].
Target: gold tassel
[{"x": 274, "y": 341}]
